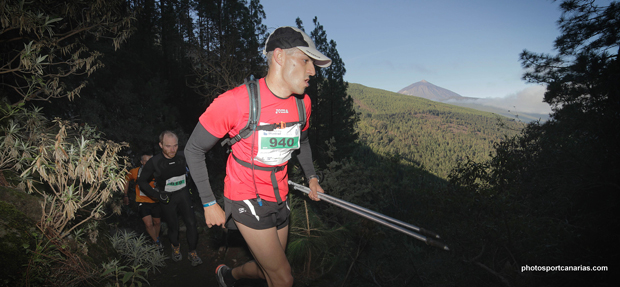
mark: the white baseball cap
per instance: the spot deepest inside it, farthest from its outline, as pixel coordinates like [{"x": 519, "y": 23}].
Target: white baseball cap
[{"x": 287, "y": 37}]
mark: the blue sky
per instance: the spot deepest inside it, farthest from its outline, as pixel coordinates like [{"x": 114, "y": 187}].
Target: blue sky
[{"x": 469, "y": 47}]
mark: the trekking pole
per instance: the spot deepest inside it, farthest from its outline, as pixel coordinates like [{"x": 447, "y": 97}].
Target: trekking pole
[{"x": 378, "y": 217}]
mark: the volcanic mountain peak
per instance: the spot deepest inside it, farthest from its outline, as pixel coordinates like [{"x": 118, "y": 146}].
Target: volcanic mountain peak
[{"x": 424, "y": 89}]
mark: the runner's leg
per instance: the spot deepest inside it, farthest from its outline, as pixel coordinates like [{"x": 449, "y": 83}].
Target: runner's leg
[
  {"x": 150, "y": 227},
  {"x": 156, "y": 213},
  {"x": 156, "y": 226},
  {"x": 170, "y": 213},
  {"x": 267, "y": 246},
  {"x": 251, "y": 269},
  {"x": 187, "y": 212}
]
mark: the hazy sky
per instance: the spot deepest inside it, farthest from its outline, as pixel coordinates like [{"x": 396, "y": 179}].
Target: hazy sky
[{"x": 469, "y": 47}]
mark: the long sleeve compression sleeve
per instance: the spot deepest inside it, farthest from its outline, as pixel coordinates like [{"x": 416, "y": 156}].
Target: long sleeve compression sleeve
[
  {"x": 197, "y": 146},
  {"x": 305, "y": 155}
]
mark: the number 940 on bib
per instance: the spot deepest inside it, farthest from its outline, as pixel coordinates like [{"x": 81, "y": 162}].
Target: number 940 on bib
[{"x": 279, "y": 142}]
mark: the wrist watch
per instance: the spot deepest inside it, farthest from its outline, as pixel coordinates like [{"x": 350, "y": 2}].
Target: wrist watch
[{"x": 313, "y": 176}]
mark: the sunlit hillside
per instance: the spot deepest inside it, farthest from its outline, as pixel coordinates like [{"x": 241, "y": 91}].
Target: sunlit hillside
[{"x": 425, "y": 133}]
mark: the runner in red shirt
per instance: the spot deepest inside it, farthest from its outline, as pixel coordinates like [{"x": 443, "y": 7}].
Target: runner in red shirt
[{"x": 256, "y": 183}]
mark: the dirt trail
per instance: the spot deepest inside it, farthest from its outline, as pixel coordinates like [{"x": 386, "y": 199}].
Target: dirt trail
[{"x": 214, "y": 248}]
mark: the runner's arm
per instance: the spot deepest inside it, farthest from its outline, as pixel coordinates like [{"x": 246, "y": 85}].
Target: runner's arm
[
  {"x": 305, "y": 159},
  {"x": 145, "y": 177},
  {"x": 197, "y": 146},
  {"x": 305, "y": 155}
]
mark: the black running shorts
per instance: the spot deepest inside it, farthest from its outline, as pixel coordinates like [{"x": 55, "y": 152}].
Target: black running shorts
[
  {"x": 250, "y": 214},
  {"x": 152, "y": 209}
]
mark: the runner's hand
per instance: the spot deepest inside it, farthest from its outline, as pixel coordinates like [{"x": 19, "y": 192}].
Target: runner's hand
[
  {"x": 315, "y": 187},
  {"x": 214, "y": 215}
]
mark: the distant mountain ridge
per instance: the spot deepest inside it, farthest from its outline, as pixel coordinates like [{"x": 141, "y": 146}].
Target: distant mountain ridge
[{"x": 424, "y": 89}]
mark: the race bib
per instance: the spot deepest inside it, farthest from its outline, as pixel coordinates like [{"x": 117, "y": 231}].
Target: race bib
[
  {"x": 275, "y": 147},
  {"x": 175, "y": 183}
]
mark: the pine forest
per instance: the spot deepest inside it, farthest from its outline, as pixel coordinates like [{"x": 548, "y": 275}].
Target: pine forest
[{"x": 87, "y": 86}]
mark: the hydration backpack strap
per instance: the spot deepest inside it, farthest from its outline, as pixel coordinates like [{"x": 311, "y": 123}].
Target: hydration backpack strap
[
  {"x": 279, "y": 125},
  {"x": 273, "y": 170},
  {"x": 254, "y": 97},
  {"x": 301, "y": 110},
  {"x": 255, "y": 107}
]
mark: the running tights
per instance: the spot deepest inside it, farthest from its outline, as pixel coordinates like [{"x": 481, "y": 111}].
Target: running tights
[{"x": 180, "y": 202}]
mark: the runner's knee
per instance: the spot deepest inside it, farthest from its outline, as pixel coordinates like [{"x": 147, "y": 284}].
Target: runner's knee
[
  {"x": 148, "y": 222},
  {"x": 284, "y": 278},
  {"x": 281, "y": 276}
]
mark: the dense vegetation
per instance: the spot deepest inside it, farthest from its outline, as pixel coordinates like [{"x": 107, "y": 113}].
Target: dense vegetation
[
  {"x": 542, "y": 194},
  {"x": 555, "y": 185}
]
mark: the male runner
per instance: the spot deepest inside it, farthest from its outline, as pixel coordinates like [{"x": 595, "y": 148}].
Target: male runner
[
  {"x": 169, "y": 170},
  {"x": 256, "y": 183},
  {"x": 149, "y": 209}
]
